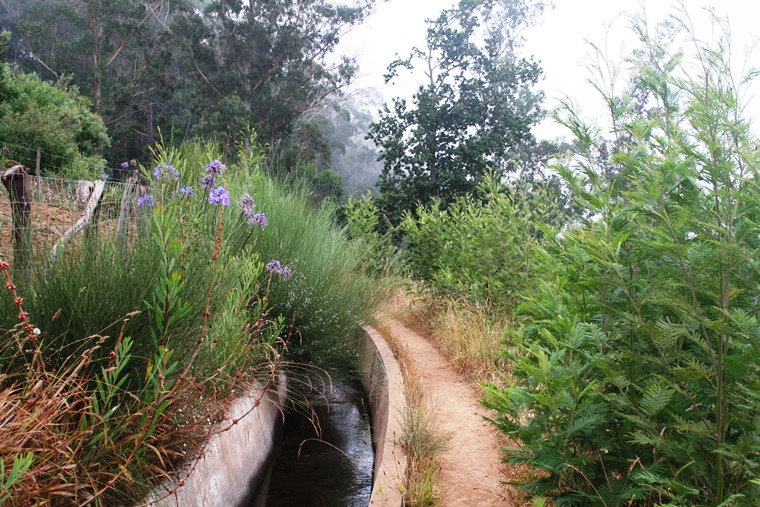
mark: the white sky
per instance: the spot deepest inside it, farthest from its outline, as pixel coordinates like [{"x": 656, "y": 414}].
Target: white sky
[{"x": 558, "y": 43}]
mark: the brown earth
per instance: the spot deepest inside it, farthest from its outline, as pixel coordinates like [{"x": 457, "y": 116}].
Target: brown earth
[
  {"x": 54, "y": 209},
  {"x": 471, "y": 468}
]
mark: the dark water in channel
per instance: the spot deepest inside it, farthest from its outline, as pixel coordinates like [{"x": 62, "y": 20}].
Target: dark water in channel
[{"x": 334, "y": 469}]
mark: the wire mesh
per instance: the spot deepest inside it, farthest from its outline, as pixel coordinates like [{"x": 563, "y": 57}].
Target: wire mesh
[{"x": 56, "y": 204}]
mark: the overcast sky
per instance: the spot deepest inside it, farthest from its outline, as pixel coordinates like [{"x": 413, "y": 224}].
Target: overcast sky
[{"x": 558, "y": 43}]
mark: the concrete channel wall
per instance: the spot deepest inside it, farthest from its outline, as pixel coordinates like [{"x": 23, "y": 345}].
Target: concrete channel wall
[
  {"x": 384, "y": 386},
  {"x": 236, "y": 463}
]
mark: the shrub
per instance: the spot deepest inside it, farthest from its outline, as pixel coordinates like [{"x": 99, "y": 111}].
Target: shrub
[
  {"x": 479, "y": 249},
  {"x": 636, "y": 370},
  {"x": 35, "y": 114}
]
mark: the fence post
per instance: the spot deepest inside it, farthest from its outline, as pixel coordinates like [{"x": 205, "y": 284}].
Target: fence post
[
  {"x": 37, "y": 174},
  {"x": 96, "y": 194},
  {"x": 127, "y": 208},
  {"x": 14, "y": 180}
]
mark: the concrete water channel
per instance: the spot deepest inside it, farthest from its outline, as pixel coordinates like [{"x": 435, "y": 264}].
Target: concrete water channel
[
  {"x": 257, "y": 462},
  {"x": 326, "y": 456}
]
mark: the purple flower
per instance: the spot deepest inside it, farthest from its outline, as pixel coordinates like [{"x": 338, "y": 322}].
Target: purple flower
[
  {"x": 276, "y": 268},
  {"x": 246, "y": 204},
  {"x": 186, "y": 191},
  {"x": 258, "y": 220},
  {"x": 146, "y": 200},
  {"x": 167, "y": 171},
  {"x": 208, "y": 181},
  {"x": 125, "y": 165},
  {"x": 214, "y": 168},
  {"x": 104, "y": 176},
  {"x": 219, "y": 196}
]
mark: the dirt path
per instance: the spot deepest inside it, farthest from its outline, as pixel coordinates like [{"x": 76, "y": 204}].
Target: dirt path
[{"x": 471, "y": 467}]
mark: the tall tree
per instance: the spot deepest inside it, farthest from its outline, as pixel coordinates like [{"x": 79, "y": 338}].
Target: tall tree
[
  {"x": 212, "y": 67},
  {"x": 272, "y": 56},
  {"x": 475, "y": 111}
]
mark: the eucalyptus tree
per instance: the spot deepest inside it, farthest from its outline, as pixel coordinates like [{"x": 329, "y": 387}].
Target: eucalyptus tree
[
  {"x": 216, "y": 67},
  {"x": 273, "y": 59}
]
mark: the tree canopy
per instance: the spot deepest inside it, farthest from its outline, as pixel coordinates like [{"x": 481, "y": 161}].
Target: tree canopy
[
  {"x": 474, "y": 113},
  {"x": 218, "y": 67},
  {"x": 56, "y": 119}
]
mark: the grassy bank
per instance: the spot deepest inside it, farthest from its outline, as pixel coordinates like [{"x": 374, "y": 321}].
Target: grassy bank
[{"x": 119, "y": 356}]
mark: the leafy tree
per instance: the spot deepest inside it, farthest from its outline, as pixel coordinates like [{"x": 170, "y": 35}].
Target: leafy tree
[
  {"x": 636, "y": 371},
  {"x": 270, "y": 54},
  {"x": 474, "y": 113},
  {"x": 213, "y": 67},
  {"x": 118, "y": 53}
]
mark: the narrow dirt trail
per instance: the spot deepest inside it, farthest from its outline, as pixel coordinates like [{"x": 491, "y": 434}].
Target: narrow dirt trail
[{"x": 471, "y": 466}]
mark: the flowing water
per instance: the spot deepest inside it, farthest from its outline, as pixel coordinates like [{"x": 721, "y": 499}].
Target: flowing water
[{"x": 330, "y": 466}]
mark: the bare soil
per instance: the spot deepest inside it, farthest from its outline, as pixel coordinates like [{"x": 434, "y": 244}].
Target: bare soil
[{"x": 472, "y": 472}]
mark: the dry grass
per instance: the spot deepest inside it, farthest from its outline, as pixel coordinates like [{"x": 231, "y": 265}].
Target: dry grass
[
  {"x": 423, "y": 441},
  {"x": 470, "y": 337}
]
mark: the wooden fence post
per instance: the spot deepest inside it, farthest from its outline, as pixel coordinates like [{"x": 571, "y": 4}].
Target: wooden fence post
[
  {"x": 95, "y": 195},
  {"x": 14, "y": 180},
  {"x": 127, "y": 207},
  {"x": 37, "y": 174}
]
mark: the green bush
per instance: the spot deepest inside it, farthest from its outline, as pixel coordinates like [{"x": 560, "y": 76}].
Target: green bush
[
  {"x": 327, "y": 295},
  {"x": 381, "y": 258},
  {"x": 35, "y": 114},
  {"x": 637, "y": 369},
  {"x": 480, "y": 249}
]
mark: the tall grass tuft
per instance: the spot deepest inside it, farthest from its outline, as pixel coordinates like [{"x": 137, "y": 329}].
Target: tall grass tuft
[{"x": 327, "y": 295}]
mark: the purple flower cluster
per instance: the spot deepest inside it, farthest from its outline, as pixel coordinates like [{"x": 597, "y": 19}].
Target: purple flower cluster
[
  {"x": 146, "y": 200},
  {"x": 276, "y": 268},
  {"x": 186, "y": 191},
  {"x": 167, "y": 171},
  {"x": 219, "y": 195},
  {"x": 213, "y": 169},
  {"x": 247, "y": 207},
  {"x": 246, "y": 204},
  {"x": 125, "y": 165},
  {"x": 258, "y": 220},
  {"x": 208, "y": 181}
]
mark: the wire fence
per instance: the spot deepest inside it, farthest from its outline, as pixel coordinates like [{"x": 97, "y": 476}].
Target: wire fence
[
  {"x": 54, "y": 164},
  {"x": 53, "y": 211}
]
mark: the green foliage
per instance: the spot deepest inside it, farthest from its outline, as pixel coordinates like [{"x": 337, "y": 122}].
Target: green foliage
[
  {"x": 206, "y": 69},
  {"x": 133, "y": 335},
  {"x": 380, "y": 254},
  {"x": 479, "y": 249},
  {"x": 636, "y": 370},
  {"x": 20, "y": 465},
  {"x": 327, "y": 295},
  {"x": 35, "y": 114},
  {"x": 475, "y": 113}
]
